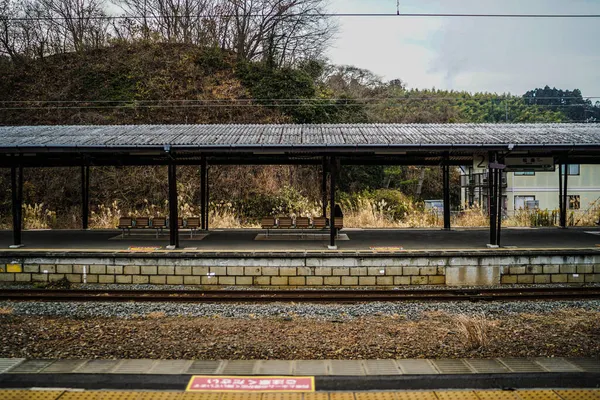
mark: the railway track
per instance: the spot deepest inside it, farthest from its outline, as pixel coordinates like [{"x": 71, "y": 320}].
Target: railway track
[{"x": 322, "y": 296}]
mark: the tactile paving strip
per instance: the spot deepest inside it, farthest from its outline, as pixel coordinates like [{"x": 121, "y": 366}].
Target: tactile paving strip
[
  {"x": 456, "y": 395},
  {"x": 161, "y": 396},
  {"x": 416, "y": 396},
  {"x": 376, "y": 396},
  {"x": 101, "y": 395},
  {"x": 282, "y": 396},
  {"x": 30, "y": 394},
  {"x": 400, "y": 395},
  {"x": 579, "y": 394},
  {"x": 241, "y": 396},
  {"x": 496, "y": 395},
  {"x": 538, "y": 395},
  {"x": 341, "y": 396},
  {"x": 201, "y": 396}
]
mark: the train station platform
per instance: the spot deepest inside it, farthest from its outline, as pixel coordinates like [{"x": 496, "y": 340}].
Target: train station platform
[
  {"x": 329, "y": 375},
  {"x": 569, "y": 394},
  {"x": 253, "y": 240}
]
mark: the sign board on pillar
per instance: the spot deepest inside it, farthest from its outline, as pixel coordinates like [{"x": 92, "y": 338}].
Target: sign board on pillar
[
  {"x": 212, "y": 383},
  {"x": 480, "y": 161},
  {"x": 529, "y": 164}
]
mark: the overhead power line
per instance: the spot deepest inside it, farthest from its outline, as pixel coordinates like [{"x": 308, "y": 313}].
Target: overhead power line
[
  {"x": 338, "y": 99},
  {"x": 134, "y": 106},
  {"x": 339, "y": 15}
]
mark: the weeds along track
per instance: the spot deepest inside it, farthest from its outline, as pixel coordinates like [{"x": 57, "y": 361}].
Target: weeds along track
[{"x": 305, "y": 295}]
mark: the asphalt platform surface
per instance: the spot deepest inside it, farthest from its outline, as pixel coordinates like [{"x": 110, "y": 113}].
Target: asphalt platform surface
[{"x": 359, "y": 239}]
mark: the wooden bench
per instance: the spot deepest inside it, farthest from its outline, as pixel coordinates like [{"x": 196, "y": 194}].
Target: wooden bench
[
  {"x": 125, "y": 224},
  {"x": 319, "y": 223},
  {"x": 159, "y": 223},
  {"x": 302, "y": 223},
  {"x": 268, "y": 223},
  {"x": 193, "y": 224},
  {"x": 285, "y": 222}
]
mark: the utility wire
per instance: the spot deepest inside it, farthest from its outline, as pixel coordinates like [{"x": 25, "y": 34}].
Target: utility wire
[
  {"x": 197, "y": 106},
  {"x": 339, "y": 99},
  {"x": 339, "y": 15}
]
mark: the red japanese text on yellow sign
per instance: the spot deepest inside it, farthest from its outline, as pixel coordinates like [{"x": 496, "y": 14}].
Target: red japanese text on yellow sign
[{"x": 212, "y": 383}]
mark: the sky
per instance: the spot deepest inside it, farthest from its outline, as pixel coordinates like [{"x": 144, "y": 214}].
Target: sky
[{"x": 506, "y": 55}]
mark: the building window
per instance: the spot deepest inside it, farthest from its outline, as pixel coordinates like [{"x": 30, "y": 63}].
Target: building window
[
  {"x": 573, "y": 169},
  {"x": 525, "y": 173},
  {"x": 574, "y": 202},
  {"x": 523, "y": 202}
]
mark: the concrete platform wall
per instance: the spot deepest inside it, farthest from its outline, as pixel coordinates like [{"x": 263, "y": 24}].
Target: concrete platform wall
[{"x": 306, "y": 271}]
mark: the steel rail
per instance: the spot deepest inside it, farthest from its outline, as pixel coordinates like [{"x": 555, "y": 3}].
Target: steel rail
[{"x": 306, "y": 295}]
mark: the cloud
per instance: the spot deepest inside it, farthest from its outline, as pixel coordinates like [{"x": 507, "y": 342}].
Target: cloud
[{"x": 475, "y": 54}]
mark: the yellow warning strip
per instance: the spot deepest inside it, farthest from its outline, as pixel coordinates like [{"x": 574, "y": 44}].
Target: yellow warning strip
[
  {"x": 581, "y": 394},
  {"x": 302, "y": 251}
]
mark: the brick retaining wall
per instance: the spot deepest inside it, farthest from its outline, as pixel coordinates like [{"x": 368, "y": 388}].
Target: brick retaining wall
[{"x": 314, "y": 271}]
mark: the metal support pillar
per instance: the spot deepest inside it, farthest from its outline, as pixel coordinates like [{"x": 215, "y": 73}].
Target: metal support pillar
[
  {"x": 324, "y": 186},
  {"x": 16, "y": 179},
  {"x": 500, "y": 205},
  {"x": 207, "y": 201},
  {"x": 565, "y": 199},
  {"x": 203, "y": 193},
  {"x": 173, "y": 208},
  {"x": 561, "y": 214},
  {"x": 446, "y": 182},
  {"x": 492, "y": 202},
  {"x": 332, "y": 245},
  {"x": 85, "y": 196}
]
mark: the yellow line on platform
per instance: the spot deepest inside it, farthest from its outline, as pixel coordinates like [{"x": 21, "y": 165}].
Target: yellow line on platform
[
  {"x": 287, "y": 251},
  {"x": 582, "y": 394}
]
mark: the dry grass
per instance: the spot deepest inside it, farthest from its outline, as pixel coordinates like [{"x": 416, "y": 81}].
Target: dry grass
[
  {"x": 6, "y": 310},
  {"x": 156, "y": 315},
  {"x": 365, "y": 214},
  {"x": 368, "y": 214},
  {"x": 474, "y": 331}
]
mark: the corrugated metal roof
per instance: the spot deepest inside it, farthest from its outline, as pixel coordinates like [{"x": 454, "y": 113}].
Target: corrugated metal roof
[{"x": 115, "y": 136}]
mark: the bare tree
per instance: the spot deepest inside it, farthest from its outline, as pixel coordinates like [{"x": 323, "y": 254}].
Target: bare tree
[
  {"x": 11, "y": 43},
  {"x": 175, "y": 21},
  {"x": 76, "y": 24},
  {"x": 278, "y": 31}
]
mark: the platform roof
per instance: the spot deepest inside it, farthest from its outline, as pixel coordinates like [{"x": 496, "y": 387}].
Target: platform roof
[
  {"x": 385, "y": 144},
  {"x": 331, "y": 135}
]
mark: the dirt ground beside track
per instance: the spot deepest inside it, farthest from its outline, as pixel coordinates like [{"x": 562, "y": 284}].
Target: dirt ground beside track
[{"x": 573, "y": 333}]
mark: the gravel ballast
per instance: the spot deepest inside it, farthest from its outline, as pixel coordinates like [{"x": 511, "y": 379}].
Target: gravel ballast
[
  {"x": 300, "y": 331},
  {"x": 408, "y": 310}
]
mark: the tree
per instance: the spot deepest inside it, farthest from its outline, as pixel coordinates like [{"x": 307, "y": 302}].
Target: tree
[{"x": 569, "y": 102}]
